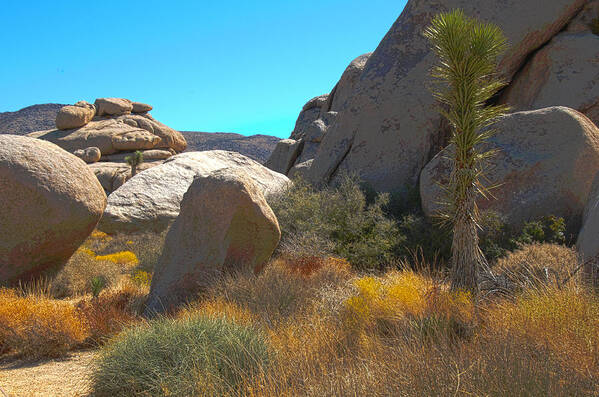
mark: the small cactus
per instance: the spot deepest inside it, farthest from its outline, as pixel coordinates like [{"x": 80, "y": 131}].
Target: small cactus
[{"x": 134, "y": 161}]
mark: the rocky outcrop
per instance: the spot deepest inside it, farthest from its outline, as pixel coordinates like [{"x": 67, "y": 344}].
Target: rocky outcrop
[
  {"x": 348, "y": 81},
  {"x": 565, "y": 72},
  {"x": 114, "y": 175},
  {"x": 545, "y": 164},
  {"x": 138, "y": 107},
  {"x": 118, "y": 129},
  {"x": 75, "y": 116},
  {"x": 151, "y": 199},
  {"x": 284, "y": 155},
  {"x": 113, "y": 106},
  {"x": 49, "y": 204},
  {"x": 300, "y": 170},
  {"x": 89, "y": 155},
  {"x": 315, "y": 119},
  {"x": 225, "y": 225},
  {"x": 390, "y": 126},
  {"x": 148, "y": 155},
  {"x": 310, "y": 112}
]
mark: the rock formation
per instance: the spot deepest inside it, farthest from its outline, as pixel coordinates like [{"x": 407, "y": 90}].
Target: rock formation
[
  {"x": 50, "y": 202},
  {"x": 588, "y": 238},
  {"x": 225, "y": 224},
  {"x": 151, "y": 199},
  {"x": 115, "y": 127},
  {"x": 387, "y": 126},
  {"x": 545, "y": 164},
  {"x": 564, "y": 72}
]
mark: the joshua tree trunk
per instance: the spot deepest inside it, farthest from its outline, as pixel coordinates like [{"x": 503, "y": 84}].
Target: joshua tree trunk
[
  {"x": 133, "y": 170},
  {"x": 466, "y": 256}
]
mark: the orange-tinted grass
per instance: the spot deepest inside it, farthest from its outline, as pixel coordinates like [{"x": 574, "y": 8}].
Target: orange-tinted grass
[{"x": 38, "y": 326}]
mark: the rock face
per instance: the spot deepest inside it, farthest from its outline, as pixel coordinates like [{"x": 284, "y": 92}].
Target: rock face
[
  {"x": 114, "y": 175},
  {"x": 284, "y": 155},
  {"x": 113, "y": 106},
  {"x": 75, "y": 116},
  {"x": 139, "y": 107},
  {"x": 224, "y": 225},
  {"x": 49, "y": 204},
  {"x": 588, "y": 239},
  {"x": 151, "y": 199},
  {"x": 315, "y": 119},
  {"x": 345, "y": 87},
  {"x": 545, "y": 165},
  {"x": 390, "y": 126},
  {"x": 300, "y": 170},
  {"x": 310, "y": 112},
  {"x": 563, "y": 73}
]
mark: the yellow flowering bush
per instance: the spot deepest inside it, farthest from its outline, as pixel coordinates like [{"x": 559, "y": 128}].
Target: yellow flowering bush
[
  {"x": 401, "y": 296},
  {"x": 121, "y": 258}
]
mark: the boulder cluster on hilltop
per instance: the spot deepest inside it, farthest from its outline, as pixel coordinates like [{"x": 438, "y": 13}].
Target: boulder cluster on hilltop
[{"x": 103, "y": 134}]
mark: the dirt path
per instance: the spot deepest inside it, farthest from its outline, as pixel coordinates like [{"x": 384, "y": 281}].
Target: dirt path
[{"x": 62, "y": 377}]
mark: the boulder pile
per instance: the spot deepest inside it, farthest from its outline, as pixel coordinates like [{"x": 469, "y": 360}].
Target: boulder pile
[
  {"x": 108, "y": 131},
  {"x": 151, "y": 200}
]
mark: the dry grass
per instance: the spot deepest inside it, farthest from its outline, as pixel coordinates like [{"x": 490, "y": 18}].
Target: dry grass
[
  {"x": 335, "y": 332},
  {"x": 39, "y": 326},
  {"x": 113, "y": 310},
  {"x": 406, "y": 334},
  {"x": 535, "y": 266}
]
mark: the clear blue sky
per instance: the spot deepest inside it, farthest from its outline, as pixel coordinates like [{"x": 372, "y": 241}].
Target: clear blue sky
[{"x": 231, "y": 66}]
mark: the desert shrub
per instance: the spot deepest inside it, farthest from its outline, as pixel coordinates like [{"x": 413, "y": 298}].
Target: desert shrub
[
  {"x": 147, "y": 248},
  {"x": 190, "y": 356},
  {"x": 536, "y": 266},
  {"x": 284, "y": 288},
  {"x": 336, "y": 221},
  {"x": 78, "y": 275},
  {"x": 407, "y": 300},
  {"x": 36, "y": 326},
  {"x": 112, "y": 310},
  {"x": 127, "y": 258}
]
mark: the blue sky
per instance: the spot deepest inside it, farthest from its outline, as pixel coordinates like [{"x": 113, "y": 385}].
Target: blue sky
[{"x": 229, "y": 66}]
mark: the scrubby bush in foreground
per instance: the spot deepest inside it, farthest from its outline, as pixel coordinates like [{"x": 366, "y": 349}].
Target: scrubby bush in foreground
[{"x": 190, "y": 356}]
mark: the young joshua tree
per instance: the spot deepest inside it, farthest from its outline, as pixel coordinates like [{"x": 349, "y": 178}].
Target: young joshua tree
[
  {"x": 134, "y": 161},
  {"x": 466, "y": 71}
]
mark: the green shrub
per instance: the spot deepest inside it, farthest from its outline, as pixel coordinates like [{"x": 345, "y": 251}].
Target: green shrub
[
  {"x": 337, "y": 221},
  {"x": 191, "y": 356}
]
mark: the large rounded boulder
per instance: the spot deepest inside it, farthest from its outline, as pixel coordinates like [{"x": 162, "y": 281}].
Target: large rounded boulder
[
  {"x": 151, "y": 199},
  {"x": 588, "y": 238},
  {"x": 390, "y": 126},
  {"x": 545, "y": 163},
  {"x": 225, "y": 225},
  {"x": 50, "y": 202}
]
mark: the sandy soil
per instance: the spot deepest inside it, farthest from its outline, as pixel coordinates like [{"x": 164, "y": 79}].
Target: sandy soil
[{"x": 60, "y": 377}]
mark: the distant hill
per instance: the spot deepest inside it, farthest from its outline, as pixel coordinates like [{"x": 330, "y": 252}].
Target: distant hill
[
  {"x": 257, "y": 147},
  {"x": 42, "y": 117},
  {"x": 29, "y": 119}
]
